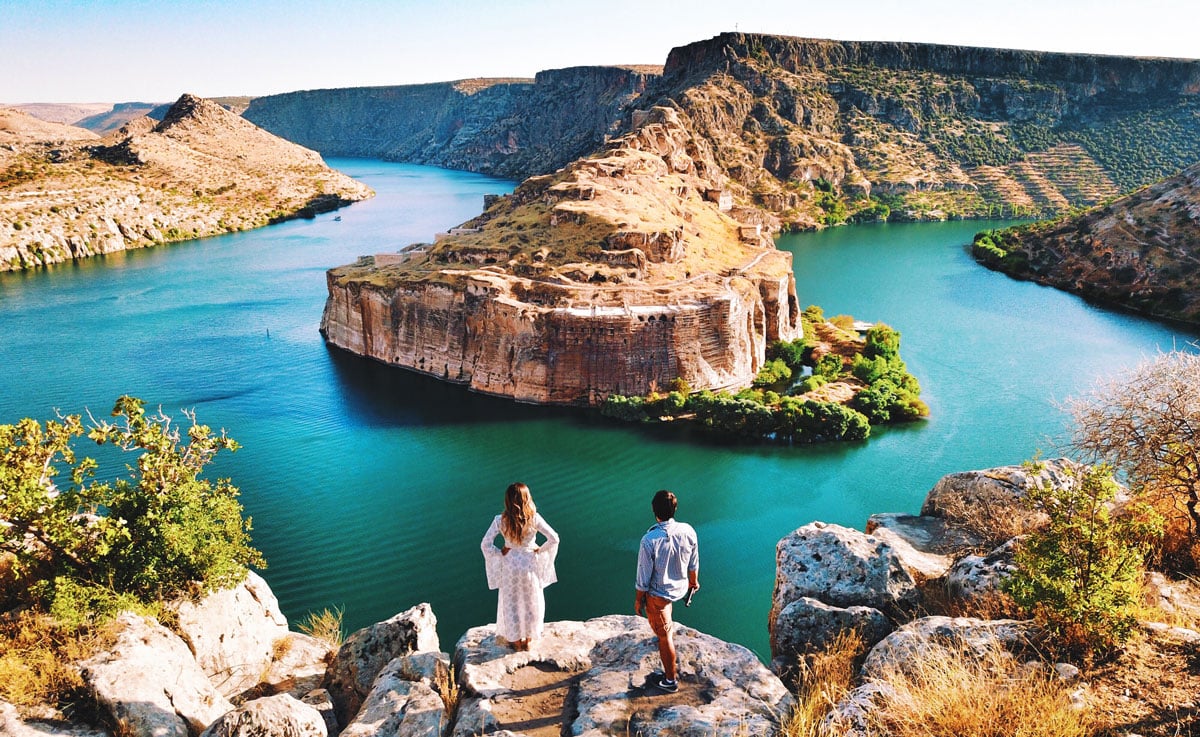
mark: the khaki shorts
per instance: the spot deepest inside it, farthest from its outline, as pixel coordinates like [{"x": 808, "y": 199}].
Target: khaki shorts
[{"x": 658, "y": 612}]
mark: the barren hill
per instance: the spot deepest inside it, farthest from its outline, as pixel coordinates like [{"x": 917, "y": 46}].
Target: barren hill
[
  {"x": 202, "y": 171},
  {"x": 1140, "y": 252}
]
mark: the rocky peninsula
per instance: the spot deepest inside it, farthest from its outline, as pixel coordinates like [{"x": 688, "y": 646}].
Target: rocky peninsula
[
  {"x": 66, "y": 193},
  {"x": 622, "y": 271},
  {"x": 911, "y": 586},
  {"x": 1139, "y": 252}
]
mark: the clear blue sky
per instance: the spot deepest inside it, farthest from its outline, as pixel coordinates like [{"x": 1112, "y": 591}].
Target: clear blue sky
[{"x": 154, "y": 50}]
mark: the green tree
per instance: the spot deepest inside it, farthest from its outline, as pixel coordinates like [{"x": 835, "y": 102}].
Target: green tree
[
  {"x": 159, "y": 531},
  {"x": 882, "y": 340},
  {"x": 1080, "y": 574}
]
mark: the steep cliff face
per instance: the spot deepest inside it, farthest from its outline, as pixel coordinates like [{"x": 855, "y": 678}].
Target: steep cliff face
[
  {"x": 617, "y": 274},
  {"x": 818, "y": 132},
  {"x": 814, "y": 132},
  {"x": 1140, "y": 252},
  {"x": 66, "y": 193},
  {"x": 506, "y": 127}
]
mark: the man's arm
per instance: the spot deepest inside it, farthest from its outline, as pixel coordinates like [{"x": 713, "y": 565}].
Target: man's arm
[{"x": 645, "y": 566}]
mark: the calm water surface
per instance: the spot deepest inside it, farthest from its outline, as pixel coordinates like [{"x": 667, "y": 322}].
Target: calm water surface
[{"x": 370, "y": 487}]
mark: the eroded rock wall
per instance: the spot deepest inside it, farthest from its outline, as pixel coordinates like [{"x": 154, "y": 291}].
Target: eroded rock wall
[{"x": 474, "y": 335}]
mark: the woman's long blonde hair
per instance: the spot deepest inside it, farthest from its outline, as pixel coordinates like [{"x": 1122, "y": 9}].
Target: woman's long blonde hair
[{"x": 519, "y": 509}]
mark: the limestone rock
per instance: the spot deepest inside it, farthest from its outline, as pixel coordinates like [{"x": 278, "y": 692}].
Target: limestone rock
[
  {"x": 202, "y": 171},
  {"x": 850, "y": 716},
  {"x": 995, "y": 494},
  {"x": 12, "y": 725},
  {"x": 580, "y": 304},
  {"x": 965, "y": 635},
  {"x": 320, "y": 700},
  {"x": 975, "y": 580},
  {"x": 841, "y": 567},
  {"x": 592, "y": 675},
  {"x": 808, "y": 624},
  {"x": 298, "y": 665},
  {"x": 920, "y": 543},
  {"x": 277, "y": 716},
  {"x": 365, "y": 653},
  {"x": 402, "y": 701},
  {"x": 232, "y": 633},
  {"x": 150, "y": 682}
]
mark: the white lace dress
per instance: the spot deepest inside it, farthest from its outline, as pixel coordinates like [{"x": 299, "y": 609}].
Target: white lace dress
[{"x": 520, "y": 576}]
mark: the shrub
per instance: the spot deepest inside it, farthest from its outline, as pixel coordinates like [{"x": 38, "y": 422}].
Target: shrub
[
  {"x": 621, "y": 407},
  {"x": 1080, "y": 574},
  {"x": 773, "y": 373},
  {"x": 325, "y": 625},
  {"x": 159, "y": 532}
]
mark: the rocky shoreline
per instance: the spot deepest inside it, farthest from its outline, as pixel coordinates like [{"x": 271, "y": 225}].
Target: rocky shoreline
[
  {"x": 229, "y": 665},
  {"x": 66, "y": 193}
]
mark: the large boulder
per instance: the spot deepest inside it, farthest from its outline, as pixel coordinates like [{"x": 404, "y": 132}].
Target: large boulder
[
  {"x": 809, "y": 624},
  {"x": 276, "y": 716},
  {"x": 590, "y": 678},
  {"x": 365, "y": 653},
  {"x": 404, "y": 701},
  {"x": 233, "y": 633},
  {"x": 989, "y": 504},
  {"x": 149, "y": 682},
  {"x": 964, "y": 635},
  {"x": 841, "y": 567},
  {"x": 921, "y": 543}
]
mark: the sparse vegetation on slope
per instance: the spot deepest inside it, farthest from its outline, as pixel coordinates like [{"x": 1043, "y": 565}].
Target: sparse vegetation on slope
[{"x": 65, "y": 193}]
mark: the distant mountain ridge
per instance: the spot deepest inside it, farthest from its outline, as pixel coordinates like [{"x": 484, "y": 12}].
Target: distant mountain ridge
[
  {"x": 816, "y": 132},
  {"x": 504, "y": 127}
]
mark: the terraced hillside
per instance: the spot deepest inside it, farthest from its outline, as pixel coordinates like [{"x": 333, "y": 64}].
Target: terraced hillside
[{"x": 1141, "y": 252}]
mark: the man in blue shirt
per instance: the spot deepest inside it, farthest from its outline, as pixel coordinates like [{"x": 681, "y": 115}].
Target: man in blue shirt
[{"x": 667, "y": 568}]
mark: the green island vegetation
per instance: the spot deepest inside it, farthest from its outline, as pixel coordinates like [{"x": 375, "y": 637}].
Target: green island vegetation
[
  {"x": 830, "y": 384},
  {"x": 76, "y": 548}
]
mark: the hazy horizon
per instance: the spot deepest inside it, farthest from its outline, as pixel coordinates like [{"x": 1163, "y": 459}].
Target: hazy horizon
[{"x": 91, "y": 51}]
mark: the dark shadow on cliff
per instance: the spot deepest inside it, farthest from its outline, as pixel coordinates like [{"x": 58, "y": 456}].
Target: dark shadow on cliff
[{"x": 390, "y": 396}]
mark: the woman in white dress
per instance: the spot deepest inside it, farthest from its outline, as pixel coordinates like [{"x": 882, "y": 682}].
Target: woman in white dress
[{"x": 521, "y": 568}]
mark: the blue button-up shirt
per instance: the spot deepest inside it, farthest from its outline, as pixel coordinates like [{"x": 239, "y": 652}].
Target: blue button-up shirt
[{"x": 668, "y": 552}]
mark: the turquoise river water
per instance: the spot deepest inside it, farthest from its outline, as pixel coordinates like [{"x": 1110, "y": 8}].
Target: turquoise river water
[{"x": 370, "y": 487}]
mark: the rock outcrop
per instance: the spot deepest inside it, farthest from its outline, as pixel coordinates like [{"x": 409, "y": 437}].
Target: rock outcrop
[
  {"x": 1139, "y": 253},
  {"x": 615, "y": 275},
  {"x": 150, "y": 683},
  {"x": 592, "y": 676},
  {"x": 367, "y": 652},
  {"x": 203, "y": 170},
  {"x": 233, "y": 633},
  {"x": 505, "y": 127},
  {"x": 280, "y": 715}
]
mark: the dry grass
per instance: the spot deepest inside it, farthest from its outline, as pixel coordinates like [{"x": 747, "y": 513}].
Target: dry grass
[
  {"x": 325, "y": 625},
  {"x": 944, "y": 694},
  {"x": 447, "y": 688},
  {"x": 992, "y": 521},
  {"x": 824, "y": 678},
  {"x": 36, "y": 657}
]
